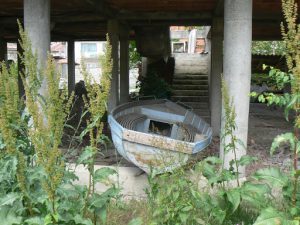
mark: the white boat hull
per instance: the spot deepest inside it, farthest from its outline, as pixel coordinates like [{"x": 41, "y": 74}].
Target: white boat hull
[{"x": 151, "y": 151}]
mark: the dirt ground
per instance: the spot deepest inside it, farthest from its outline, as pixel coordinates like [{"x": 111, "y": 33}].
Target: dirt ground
[{"x": 265, "y": 123}]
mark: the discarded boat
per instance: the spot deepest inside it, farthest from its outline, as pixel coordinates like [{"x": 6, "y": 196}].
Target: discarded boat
[{"x": 158, "y": 135}]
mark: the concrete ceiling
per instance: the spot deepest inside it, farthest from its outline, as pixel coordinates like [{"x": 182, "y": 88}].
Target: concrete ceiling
[{"x": 86, "y": 19}]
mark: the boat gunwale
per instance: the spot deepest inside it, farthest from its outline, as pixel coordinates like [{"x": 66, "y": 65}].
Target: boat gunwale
[{"x": 191, "y": 145}]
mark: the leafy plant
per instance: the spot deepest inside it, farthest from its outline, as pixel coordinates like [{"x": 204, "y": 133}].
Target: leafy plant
[
  {"x": 268, "y": 48},
  {"x": 288, "y": 184},
  {"x": 134, "y": 57},
  {"x": 36, "y": 186},
  {"x": 153, "y": 85}
]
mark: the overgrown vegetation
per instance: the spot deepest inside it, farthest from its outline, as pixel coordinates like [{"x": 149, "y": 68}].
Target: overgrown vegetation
[
  {"x": 270, "y": 196},
  {"x": 37, "y": 186},
  {"x": 134, "y": 57},
  {"x": 153, "y": 85},
  {"x": 268, "y": 48}
]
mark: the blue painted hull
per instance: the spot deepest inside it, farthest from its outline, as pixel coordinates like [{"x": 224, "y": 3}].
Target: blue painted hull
[{"x": 152, "y": 151}]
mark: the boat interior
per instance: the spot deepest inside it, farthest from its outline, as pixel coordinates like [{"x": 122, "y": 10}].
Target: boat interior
[{"x": 163, "y": 118}]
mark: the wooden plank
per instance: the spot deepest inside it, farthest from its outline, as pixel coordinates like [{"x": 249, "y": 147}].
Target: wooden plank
[{"x": 158, "y": 141}]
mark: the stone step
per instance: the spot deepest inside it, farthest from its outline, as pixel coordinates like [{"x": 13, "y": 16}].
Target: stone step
[
  {"x": 198, "y": 99},
  {"x": 179, "y": 81},
  {"x": 198, "y": 106},
  {"x": 190, "y": 92},
  {"x": 189, "y": 76},
  {"x": 189, "y": 87},
  {"x": 196, "y": 69}
]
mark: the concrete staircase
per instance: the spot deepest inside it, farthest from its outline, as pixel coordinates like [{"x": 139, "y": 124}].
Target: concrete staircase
[{"x": 190, "y": 83}]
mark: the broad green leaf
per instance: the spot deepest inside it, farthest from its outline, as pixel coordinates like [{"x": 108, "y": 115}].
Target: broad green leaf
[
  {"x": 136, "y": 221},
  {"x": 8, "y": 216},
  {"x": 255, "y": 194},
  {"x": 86, "y": 156},
  {"x": 103, "y": 214},
  {"x": 294, "y": 99},
  {"x": 283, "y": 138},
  {"x": 9, "y": 199},
  {"x": 271, "y": 216},
  {"x": 78, "y": 219},
  {"x": 257, "y": 189},
  {"x": 102, "y": 174},
  {"x": 90, "y": 126},
  {"x": 213, "y": 160},
  {"x": 234, "y": 197},
  {"x": 246, "y": 160},
  {"x": 51, "y": 219},
  {"x": 34, "y": 221},
  {"x": 271, "y": 175}
]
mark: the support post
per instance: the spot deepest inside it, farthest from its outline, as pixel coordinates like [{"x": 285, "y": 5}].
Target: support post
[
  {"x": 124, "y": 65},
  {"x": 237, "y": 69},
  {"x": 114, "y": 41},
  {"x": 144, "y": 66},
  {"x": 71, "y": 66},
  {"x": 20, "y": 70},
  {"x": 216, "y": 71},
  {"x": 3, "y": 50},
  {"x": 37, "y": 26}
]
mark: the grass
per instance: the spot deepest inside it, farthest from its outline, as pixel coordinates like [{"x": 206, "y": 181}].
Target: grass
[{"x": 123, "y": 212}]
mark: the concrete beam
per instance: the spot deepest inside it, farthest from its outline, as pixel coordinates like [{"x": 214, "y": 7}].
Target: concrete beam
[
  {"x": 71, "y": 66},
  {"x": 219, "y": 9},
  {"x": 124, "y": 65},
  {"x": 37, "y": 26},
  {"x": 216, "y": 72},
  {"x": 113, "y": 31},
  {"x": 237, "y": 69}
]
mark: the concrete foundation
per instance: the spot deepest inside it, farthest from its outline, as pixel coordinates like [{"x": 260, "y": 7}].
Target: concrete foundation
[
  {"x": 114, "y": 97},
  {"x": 216, "y": 72},
  {"x": 37, "y": 26},
  {"x": 237, "y": 68},
  {"x": 71, "y": 66}
]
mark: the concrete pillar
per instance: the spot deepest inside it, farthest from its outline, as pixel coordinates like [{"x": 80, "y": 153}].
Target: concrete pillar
[
  {"x": 20, "y": 70},
  {"x": 71, "y": 66},
  {"x": 237, "y": 68},
  {"x": 113, "y": 28},
  {"x": 124, "y": 66},
  {"x": 3, "y": 50},
  {"x": 37, "y": 26},
  {"x": 144, "y": 66},
  {"x": 216, "y": 71}
]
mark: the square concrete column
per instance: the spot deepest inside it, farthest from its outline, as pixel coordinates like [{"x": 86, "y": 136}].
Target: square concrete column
[
  {"x": 124, "y": 65},
  {"x": 20, "y": 70},
  {"x": 216, "y": 72},
  {"x": 113, "y": 31},
  {"x": 37, "y": 26},
  {"x": 237, "y": 69},
  {"x": 3, "y": 50},
  {"x": 144, "y": 66},
  {"x": 71, "y": 66}
]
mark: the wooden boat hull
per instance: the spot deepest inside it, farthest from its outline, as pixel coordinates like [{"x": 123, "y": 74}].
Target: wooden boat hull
[{"x": 150, "y": 151}]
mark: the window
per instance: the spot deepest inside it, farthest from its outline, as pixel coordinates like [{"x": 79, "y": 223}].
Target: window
[
  {"x": 89, "y": 49},
  {"x": 178, "y": 47}
]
